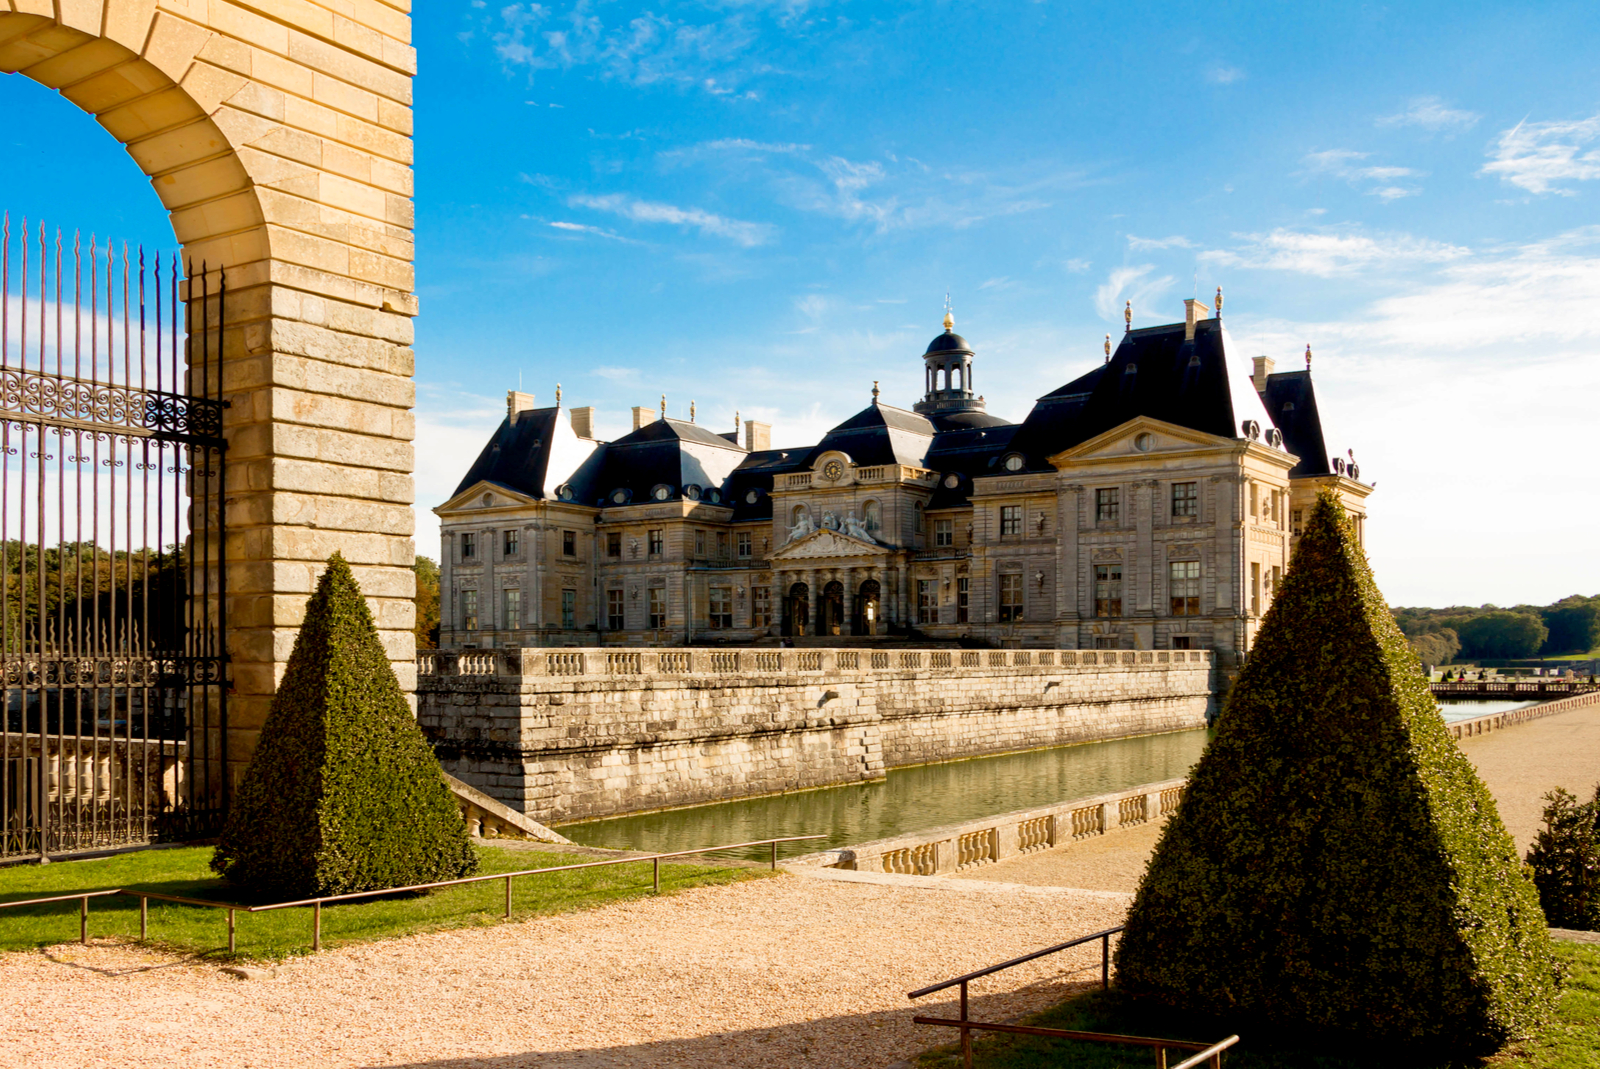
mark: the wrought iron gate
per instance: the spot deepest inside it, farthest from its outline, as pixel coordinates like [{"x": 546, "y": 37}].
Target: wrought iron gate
[{"x": 111, "y": 561}]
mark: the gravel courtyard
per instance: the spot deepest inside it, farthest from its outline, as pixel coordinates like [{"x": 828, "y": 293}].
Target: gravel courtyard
[{"x": 789, "y": 971}]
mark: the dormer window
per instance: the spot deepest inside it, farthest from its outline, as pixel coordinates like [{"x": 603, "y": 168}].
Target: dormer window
[
  {"x": 692, "y": 492},
  {"x": 619, "y": 497},
  {"x": 1014, "y": 462},
  {"x": 661, "y": 492}
]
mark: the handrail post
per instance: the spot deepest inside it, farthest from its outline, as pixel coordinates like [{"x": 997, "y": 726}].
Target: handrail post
[
  {"x": 83, "y": 920},
  {"x": 231, "y": 945},
  {"x": 316, "y": 927},
  {"x": 966, "y": 1033},
  {"x": 508, "y": 898},
  {"x": 144, "y": 918},
  {"x": 1161, "y": 1058},
  {"x": 1105, "y": 962},
  {"x": 774, "y": 855},
  {"x": 656, "y": 864}
]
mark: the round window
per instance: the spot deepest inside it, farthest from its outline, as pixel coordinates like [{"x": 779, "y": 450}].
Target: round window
[
  {"x": 564, "y": 493},
  {"x": 1013, "y": 463},
  {"x": 619, "y": 496},
  {"x": 752, "y": 497},
  {"x": 661, "y": 493},
  {"x": 488, "y": 499},
  {"x": 952, "y": 481},
  {"x": 1143, "y": 443},
  {"x": 714, "y": 495},
  {"x": 692, "y": 492}
]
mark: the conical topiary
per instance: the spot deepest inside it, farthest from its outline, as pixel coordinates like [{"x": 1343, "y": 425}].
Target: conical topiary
[
  {"x": 343, "y": 793},
  {"x": 1336, "y": 865}
]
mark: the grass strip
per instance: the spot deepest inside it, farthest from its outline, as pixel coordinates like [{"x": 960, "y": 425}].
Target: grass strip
[
  {"x": 282, "y": 933},
  {"x": 1571, "y": 1042}
]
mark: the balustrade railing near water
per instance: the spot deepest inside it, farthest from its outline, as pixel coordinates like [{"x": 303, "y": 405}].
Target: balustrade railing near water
[{"x": 602, "y": 663}]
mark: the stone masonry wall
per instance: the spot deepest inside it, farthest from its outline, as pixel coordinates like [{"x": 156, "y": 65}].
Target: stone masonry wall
[{"x": 611, "y": 732}]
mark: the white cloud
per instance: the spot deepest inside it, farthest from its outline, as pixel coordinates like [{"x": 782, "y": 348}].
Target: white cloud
[
  {"x": 1000, "y": 283},
  {"x": 1376, "y": 180},
  {"x": 1077, "y": 265},
  {"x": 728, "y": 143},
  {"x": 1536, "y": 156},
  {"x": 1176, "y": 241},
  {"x": 1327, "y": 253},
  {"x": 617, "y": 374},
  {"x": 1430, "y": 113},
  {"x": 599, "y": 232},
  {"x": 642, "y": 211},
  {"x": 1129, "y": 284},
  {"x": 1224, "y": 75}
]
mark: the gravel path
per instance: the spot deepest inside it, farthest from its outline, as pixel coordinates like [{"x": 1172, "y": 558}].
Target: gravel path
[
  {"x": 785, "y": 972},
  {"x": 1519, "y": 764}
]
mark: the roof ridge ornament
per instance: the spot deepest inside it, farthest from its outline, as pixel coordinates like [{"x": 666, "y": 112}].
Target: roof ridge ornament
[
  {"x": 1127, "y": 317},
  {"x": 949, "y": 314},
  {"x": 874, "y": 391},
  {"x": 663, "y": 406},
  {"x": 558, "y": 395},
  {"x": 1219, "y": 302},
  {"x": 1108, "y": 348},
  {"x": 1308, "y": 356},
  {"x": 691, "y": 411}
]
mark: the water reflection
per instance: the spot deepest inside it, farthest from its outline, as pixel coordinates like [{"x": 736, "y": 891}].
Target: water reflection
[
  {"x": 910, "y": 799},
  {"x": 1467, "y": 709}
]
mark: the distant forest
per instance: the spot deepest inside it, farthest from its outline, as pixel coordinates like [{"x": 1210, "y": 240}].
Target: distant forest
[{"x": 1489, "y": 632}]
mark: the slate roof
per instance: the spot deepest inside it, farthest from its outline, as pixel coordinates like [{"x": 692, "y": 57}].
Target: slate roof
[
  {"x": 1292, "y": 403},
  {"x": 878, "y": 434},
  {"x": 517, "y": 455},
  {"x": 666, "y": 452}
]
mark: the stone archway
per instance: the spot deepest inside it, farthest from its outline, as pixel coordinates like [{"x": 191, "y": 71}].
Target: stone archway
[{"x": 280, "y": 145}]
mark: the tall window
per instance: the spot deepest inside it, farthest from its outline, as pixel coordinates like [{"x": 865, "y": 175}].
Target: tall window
[
  {"x": 1183, "y": 587},
  {"x": 1255, "y": 590},
  {"x": 927, "y": 601},
  {"x": 657, "y": 541},
  {"x": 1010, "y": 597},
  {"x": 469, "y": 545},
  {"x": 1255, "y": 502},
  {"x": 1106, "y": 642},
  {"x": 1010, "y": 520},
  {"x": 616, "y": 611},
  {"x": 569, "y": 609},
  {"x": 569, "y": 543},
  {"x": 509, "y": 545},
  {"x": 944, "y": 533},
  {"x": 658, "y": 608},
  {"x": 872, "y": 516},
  {"x": 699, "y": 543},
  {"x": 469, "y": 610},
  {"x": 614, "y": 544},
  {"x": 1277, "y": 576},
  {"x": 744, "y": 543},
  {"x": 917, "y": 521},
  {"x": 761, "y": 606},
  {"x": 1108, "y": 590},
  {"x": 1298, "y": 520},
  {"x": 1185, "y": 500},
  {"x": 1108, "y": 505},
  {"x": 720, "y": 614},
  {"x": 511, "y": 610},
  {"x": 963, "y": 598}
]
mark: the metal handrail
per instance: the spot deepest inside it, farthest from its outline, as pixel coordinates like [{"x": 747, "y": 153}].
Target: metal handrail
[
  {"x": 1211, "y": 1053},
  {"x": 316, "y": 903}
]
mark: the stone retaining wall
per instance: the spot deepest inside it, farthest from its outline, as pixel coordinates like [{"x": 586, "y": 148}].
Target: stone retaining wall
[{"x": 575, "y": 734}]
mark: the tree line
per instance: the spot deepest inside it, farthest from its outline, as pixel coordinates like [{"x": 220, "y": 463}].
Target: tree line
[{"x": 1489, "y": 632}]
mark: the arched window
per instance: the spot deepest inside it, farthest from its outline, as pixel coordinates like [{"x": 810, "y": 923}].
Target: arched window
[{"x": 871, "y": 517}]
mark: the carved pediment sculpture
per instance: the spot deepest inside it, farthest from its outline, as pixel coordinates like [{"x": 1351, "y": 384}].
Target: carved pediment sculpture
[{"x": 826, "y": 543}]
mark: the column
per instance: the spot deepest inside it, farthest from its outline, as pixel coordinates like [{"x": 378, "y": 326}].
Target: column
[
  {"x": 813, "y": 599},
  {"x": 848, "y": 624}
]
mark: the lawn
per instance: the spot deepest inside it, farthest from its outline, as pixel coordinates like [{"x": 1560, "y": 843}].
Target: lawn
[
  {"x": 1572, "y": 1042},
  {"x": 280, "y": 933}
]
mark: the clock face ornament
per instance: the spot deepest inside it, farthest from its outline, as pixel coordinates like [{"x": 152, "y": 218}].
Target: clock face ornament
[{"x": 832, "y": 471}]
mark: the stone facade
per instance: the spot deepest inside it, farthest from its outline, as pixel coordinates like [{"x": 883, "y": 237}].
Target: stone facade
[
  {"x": 278, "y": 135},
  {"x": 574, "y": 734},
  {"x": 1150, "y": 504}
]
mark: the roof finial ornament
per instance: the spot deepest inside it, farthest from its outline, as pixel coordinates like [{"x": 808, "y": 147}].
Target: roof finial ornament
[
  {"x": 1308, "y": 356},
  {"x": 874, "y": 391},
  {"x": 1219, "y": 302},
  {"x": 736, "y": 423},
  {"x": 691, "y": 411},
  {"x": 949, "y": 315},
  {"x": 1127, "y": 317},
  {"x": 1108, "y": 348},
  {"x": 558, "y": 395},
  {"x": 663, "y": 406}
]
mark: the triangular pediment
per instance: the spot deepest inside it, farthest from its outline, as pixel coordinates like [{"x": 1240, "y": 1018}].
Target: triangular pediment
[
  {"x": 1140, "y": 437},
  {"x": 828, "y": 543},
  {"x": 472, "y": 498}
]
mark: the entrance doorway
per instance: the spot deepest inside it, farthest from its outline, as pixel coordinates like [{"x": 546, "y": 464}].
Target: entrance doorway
[
  {"x": 867, "y": 609},
  {"x": 797, "y": 610},
  {"x": 831, "y": 611}
]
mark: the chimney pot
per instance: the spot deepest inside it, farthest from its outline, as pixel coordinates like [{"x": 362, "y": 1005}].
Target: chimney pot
[
  {"x": 1263, "y": 368},
  {"x": 517, "y": 401},
  {"x": 757, "y": 436},
  {"x": 1193, "y": 312},
  {"x": 583, "y": 421},
  {"x": 642, "y": 414}
]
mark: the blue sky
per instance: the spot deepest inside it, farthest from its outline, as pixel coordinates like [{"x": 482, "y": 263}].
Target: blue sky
[{"x": 760, "y": 208}]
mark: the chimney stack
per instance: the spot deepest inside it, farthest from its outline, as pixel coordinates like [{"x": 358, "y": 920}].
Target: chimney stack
[
  {"x": 583, "y": 422},
  {"x": 641, "y": 415},
  {"x": 757, "y": 436},
  {"x": 1193, "y": 312},
  {"x": 1263, "y": 366},
  {"x": 517, "y": 401}
]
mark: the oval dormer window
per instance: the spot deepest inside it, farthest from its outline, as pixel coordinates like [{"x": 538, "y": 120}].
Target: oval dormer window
[
  {"x": 564, "y": 492},
  {"x": 1143, "y": 442},
  {"x": 952, "y": 481},
  {"x": 714, "y": 496},
  {"x": 1288, "y": 406},
  {"x": 661, "y": 492},
  {"x": 692, "y": 492},
  {"x": 752, "y": 497},
  {"x": 619, "y": 497},
  {"x": 1014, "y": 462},
  {"x": 1131, "y": 369}
]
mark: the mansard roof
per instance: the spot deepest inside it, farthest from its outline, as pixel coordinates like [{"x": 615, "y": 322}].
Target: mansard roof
[
  {"x": 1292, "y": 403},
  {"x": 666, "y": 452},
  {"x": 517, "y": 455},
  {"x": 878, "y": 434}
]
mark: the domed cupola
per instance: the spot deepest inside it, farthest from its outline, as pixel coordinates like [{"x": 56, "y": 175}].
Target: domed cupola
[{"x": 947, "y": 377}]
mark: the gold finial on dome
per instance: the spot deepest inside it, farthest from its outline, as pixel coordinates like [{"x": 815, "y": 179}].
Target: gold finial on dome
[
  {"x": 1108, "y": 348},
  {"x": 1219, "y": 302},
  {"x": 1127, "y": 316},
  {"x": 949, "y": 316},
  {"x": 1308, "y": 356}
]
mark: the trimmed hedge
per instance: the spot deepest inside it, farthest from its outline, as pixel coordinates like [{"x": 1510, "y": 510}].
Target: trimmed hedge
[
  {"x": 1565, "y": 860},
  {"x": 1336, "y": 867},
  {"x": 343, "y": 793}
]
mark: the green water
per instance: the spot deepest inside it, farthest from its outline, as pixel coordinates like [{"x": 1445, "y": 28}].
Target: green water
[{"x": 910, "y": 799}]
